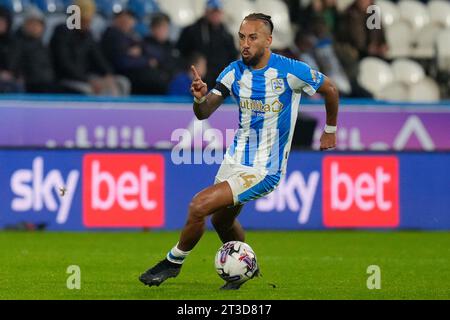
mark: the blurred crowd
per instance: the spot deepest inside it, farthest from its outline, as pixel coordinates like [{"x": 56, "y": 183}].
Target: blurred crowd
[
  {"x": 123, "y": 62},
  {"x": 120, "y": 63}
]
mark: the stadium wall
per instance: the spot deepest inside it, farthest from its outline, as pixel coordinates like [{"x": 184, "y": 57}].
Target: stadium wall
[
  {"x": 110, "y": 190},
  {"x": 142, "y": 123}
]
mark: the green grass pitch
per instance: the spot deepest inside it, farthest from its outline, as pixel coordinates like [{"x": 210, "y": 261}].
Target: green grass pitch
[{"x": 301, "y": 265}]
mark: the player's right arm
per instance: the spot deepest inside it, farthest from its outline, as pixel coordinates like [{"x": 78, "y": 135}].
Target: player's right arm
[{"x": 204, "y": 103}]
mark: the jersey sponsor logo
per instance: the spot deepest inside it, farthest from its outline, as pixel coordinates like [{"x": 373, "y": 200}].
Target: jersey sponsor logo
[
  {"x": 360, "y": 191},
  {"x": 123, "y": 190},
  {"x": 278, "y": 85},
  {"x": 259, "y": 107}
]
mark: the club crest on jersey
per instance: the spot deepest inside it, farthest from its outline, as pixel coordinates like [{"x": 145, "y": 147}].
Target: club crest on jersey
[
  {"x": 315, "y": 76},
  {"x": 278, "y": 85}
]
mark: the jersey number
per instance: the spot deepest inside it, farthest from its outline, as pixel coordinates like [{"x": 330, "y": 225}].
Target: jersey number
[{"x": 248, "y": 180}]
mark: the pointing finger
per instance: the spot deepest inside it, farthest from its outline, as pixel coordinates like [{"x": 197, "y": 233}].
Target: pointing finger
[{"x": 195, "y": 73}]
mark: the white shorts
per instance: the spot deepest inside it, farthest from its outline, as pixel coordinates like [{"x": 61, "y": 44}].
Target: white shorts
[{"x": 247, "y": 183}]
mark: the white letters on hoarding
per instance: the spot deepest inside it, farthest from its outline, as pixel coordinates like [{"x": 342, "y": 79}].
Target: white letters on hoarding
[
  {"x": 349, "y": 138},
  {"x": 129, "y": 191},
  {"x": 366, "y": 192},
  {"x": 286, "y": 195},
  {"x": 105, "y": 137},
  {"x": 36, "y": 191}
]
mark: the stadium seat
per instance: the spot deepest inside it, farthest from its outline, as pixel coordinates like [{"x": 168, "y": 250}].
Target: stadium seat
[
  {"x": 443, "y": 50},
  {"x": 199, "y": 7},
  {"x": 50, "y": 6},
  {"x": 389, "y": 12},
  {"x": 142, "y": 28},
  {"x": 342, "y": 5},
  {"x": 235, "y": 11},
  {"x": 278, "y": 10},
  {"x": 107, "y": 8},
  {"x": 394, "y": 92},
  {"x": 98, "y": 26},
  {"x": 143, "y": 8},
  {"x": 424, "y": 42},
  {"x": 15, "y": 6},
  {"x": 182, "y": 13},
  {"x": 305, "y": 3},
  {"x": 51, "y": 22},
  {"x": 399, "y": 38},
  {"x": 414, "y": 12},
  {"x": 374, "y": 74},
  {"x": 425, "y": 90},
  {"x": 407, "y": 71},
  {"x": 439, "y": 11}
]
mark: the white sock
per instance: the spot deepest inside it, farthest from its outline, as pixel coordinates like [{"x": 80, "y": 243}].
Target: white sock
[{"x": 176, "y": 255}]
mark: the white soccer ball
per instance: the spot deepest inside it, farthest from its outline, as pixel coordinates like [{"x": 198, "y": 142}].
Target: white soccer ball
[{"x": 236, "y": 262}]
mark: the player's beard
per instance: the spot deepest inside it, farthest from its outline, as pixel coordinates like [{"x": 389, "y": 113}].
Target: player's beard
[{"x": 254, "y": 60}]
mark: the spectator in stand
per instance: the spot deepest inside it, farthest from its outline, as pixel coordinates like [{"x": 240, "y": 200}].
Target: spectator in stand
[
  {"x": 304, "y": 48},
  {"x": 9, "y": 81},
  {"x": 34, "y": 58},
  {"x": 181, "y": 83},
  {"x": 326, "y": 57},
  {"x": 79, "y": 63},
  {"x": 159, "y": 47},
  {"x": 331, "y": 15},
  {"x": 210, "y": 37},
  {"x": 304, "y": 17},
  {"x": 125, "y": 50},
  {"x": 356, "y": 41}
]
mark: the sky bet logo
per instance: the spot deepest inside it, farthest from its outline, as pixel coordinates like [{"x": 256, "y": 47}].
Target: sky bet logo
[
  {"x": 360, "y": 191},
  {"x": 36, "y": 190},
  {"x": 123, "y": 190}
]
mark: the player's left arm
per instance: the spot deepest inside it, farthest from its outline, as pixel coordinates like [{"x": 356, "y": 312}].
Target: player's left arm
[{"x": 331, "y": 96}]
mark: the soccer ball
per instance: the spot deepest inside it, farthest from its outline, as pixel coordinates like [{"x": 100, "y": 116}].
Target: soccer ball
[{"x": 236, "y": 262}]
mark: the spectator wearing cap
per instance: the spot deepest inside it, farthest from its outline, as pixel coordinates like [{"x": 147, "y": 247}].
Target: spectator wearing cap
[
  {"x": 209, "y": 36},
  {"x": 9, "y": 81},
  {"x": 34, "y": 58},
  {"x": 125, "y": 51},
  {"x": 159, "y": 47},
  {"x": 79, "y": 62}
]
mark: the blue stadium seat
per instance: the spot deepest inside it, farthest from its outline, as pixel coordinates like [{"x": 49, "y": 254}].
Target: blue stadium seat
[
  {"x": 16, "y": 6},
  {"x": 50, "y": 6},
  {"x": 142, "y": 28},
  {"x": 108, "y": 8},
  {"x": 143, "y": 8}
]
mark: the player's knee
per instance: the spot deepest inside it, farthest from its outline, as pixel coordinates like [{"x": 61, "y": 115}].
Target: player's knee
[{"x": 198, "y": 208}]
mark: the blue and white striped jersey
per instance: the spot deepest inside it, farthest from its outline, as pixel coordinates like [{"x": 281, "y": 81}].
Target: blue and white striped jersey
[{"x": 268, "y": 100}]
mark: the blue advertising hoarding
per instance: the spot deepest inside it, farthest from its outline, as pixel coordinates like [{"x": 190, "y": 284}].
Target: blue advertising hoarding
[{"x": 118, "y": 190}]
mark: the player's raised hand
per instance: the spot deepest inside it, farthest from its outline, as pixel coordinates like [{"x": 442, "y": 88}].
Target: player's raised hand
[
  {"x": 198, "y": 87},
  {"x": 327, "y": 141}
]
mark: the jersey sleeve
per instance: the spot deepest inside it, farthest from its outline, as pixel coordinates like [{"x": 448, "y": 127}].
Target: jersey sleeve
[
  {"x": 224, "y": 82},
  {"x": 303, "y": 78}
]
